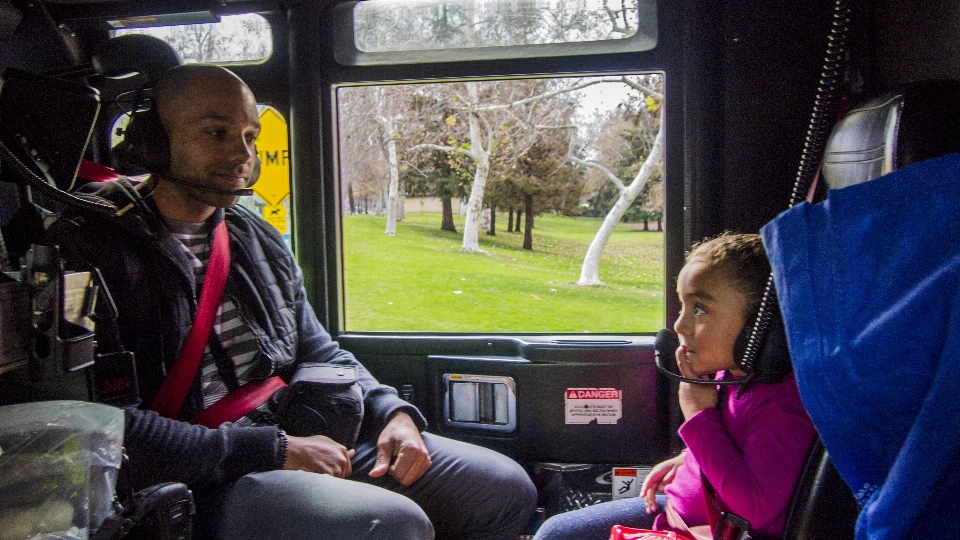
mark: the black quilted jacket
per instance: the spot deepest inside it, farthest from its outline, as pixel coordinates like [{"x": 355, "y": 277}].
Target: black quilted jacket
[{"x": 153, "y": 285}]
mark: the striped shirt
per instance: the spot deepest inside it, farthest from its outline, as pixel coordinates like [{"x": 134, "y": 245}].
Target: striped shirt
[{"x": 226, "y": 365}]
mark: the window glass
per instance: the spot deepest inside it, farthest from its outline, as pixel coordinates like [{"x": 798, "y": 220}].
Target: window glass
[
  {"x": 236, "y": 38},
  {"x": 521, "y": 205},
  {"x": 399, "y": 25}
]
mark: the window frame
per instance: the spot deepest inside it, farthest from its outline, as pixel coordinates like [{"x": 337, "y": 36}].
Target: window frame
[{"x": 318, "y": 231}]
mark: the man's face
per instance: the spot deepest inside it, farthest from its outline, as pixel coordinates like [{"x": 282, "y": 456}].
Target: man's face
[{"x": 212, "y": 138}]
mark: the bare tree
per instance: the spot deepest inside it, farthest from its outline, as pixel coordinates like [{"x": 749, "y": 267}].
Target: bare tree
[
  {"x": 506, "y": 114},
  {"x": 644, "y": 168},
  {"x": 371, "y": 119}
]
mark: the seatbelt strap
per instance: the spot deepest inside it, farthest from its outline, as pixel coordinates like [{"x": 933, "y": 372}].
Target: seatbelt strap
[
  {"x": 239, "y": 402},
  {"x": 176, "y": 385}
]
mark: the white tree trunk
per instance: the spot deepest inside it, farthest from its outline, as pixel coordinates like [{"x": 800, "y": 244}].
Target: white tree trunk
[
  {"x": 471, "y": 224},
  {"x": 590, "y": 271},
  {"x": 394, "y": 189}
]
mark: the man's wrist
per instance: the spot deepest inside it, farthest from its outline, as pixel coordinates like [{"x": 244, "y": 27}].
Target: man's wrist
[{"x": 281, "y": 449}]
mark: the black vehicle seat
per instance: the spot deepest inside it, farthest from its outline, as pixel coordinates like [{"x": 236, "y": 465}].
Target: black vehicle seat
[
  {"x": 823, "y": 507},
  {"x": 910, "y": 124}
]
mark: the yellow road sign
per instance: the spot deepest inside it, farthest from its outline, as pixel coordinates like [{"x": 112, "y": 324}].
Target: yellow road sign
[
  {"x": 273, "y": 149},
  {"x": 276, "y": 215}
]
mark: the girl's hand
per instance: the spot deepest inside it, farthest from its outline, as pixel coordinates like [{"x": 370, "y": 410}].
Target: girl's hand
[
  {"x": 694, "y": 397},
  {"x": 660, "y": 475}
]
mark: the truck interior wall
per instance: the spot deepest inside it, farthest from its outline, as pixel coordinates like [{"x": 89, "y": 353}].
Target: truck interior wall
[
  {"x": 773, "y": 53},
  {"x": 917, "y": 41}
]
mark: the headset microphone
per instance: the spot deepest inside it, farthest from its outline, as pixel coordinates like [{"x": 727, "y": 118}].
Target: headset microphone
[
  {"x": 245, "y": 192},
  {"x": 665, "y": 350}
]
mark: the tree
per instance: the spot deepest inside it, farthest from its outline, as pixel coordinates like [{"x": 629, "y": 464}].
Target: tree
[
  {"x": 507, "y": 115},
  {"x": 429, "y": 171},
  {"x": 438, "y": 174},
  {"x": 543, "y": 181},
  {"x": 377, "y": 115},
  {"x": 640, "y": 161}
]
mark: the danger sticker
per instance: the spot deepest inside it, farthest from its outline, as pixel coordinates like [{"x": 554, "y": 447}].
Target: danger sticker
[
  {"x": 625, "y": 483},
  {"x": 593, "y": 405}
]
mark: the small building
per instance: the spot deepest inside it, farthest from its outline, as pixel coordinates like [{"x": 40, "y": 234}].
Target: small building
[{"x": 422, "y": 204}]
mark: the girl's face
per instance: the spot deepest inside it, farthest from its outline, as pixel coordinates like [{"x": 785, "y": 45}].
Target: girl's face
[{"x": 713, "y": 312}]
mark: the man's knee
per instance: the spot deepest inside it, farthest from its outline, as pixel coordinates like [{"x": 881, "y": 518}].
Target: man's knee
[
  {"x": 480, "y": 493},
  {"x": 296, "y": 504}
]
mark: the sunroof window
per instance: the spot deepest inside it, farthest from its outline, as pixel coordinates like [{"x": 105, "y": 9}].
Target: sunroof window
[
  {"x": 399, "y": 25},
  {"x": 519, "y": 205},
  {"x": 236, "y": 38}
]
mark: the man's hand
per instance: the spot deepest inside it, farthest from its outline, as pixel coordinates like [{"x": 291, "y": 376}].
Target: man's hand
[
  {"x": 318, "y": 454},
  {"x": 401, "y": 451},
  {"x": 659, "y": 476},
  {"x": 694, "y": 397}
]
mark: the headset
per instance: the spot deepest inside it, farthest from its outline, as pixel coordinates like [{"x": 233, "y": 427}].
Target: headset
[
  {"x": 770, "y": 364},
  {"x": 146, "y": 145}
]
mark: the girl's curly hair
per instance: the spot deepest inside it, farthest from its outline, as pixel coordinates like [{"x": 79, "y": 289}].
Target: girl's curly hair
[{"x": 741, "y": 257}]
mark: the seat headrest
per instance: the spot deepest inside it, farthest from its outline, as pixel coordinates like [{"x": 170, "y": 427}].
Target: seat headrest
[
  {"x": 123, "y": 55},
  {"x": 910, "y": 124}
]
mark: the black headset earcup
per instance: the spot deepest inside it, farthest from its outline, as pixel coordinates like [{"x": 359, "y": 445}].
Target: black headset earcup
[
  {"x": 740, "y": 345},
  {"x": 145, "y": 147},
  {"x": 773, "y": 361}
]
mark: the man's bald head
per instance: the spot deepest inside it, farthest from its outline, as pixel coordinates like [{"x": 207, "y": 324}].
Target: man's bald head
[
  {"x": 211, "y": 122},
  {"x": 183, "y": 84}
]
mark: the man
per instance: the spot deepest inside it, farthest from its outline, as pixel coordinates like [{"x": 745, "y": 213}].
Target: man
[{"x": 250, "y": 479}]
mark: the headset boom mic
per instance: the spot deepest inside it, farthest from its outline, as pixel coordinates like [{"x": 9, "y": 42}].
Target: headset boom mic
[
  {"x": 245, "y": 192},
  {"x": 664, "y": 350}
]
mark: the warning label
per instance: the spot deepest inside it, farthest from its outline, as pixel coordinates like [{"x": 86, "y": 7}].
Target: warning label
[
  {"x": 625, "y": 483},
  {"x": 593, "y": 405}
]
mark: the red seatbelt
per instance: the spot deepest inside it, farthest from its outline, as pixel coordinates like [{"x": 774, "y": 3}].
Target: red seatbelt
[
  {"x": 239, "y": 402},
  {"x": 95, "y": 172},
  {"x": 173, "y": 391}
]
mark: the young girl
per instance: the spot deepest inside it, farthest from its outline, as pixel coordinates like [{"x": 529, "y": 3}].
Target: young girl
[{"x": 751, "y": 449}]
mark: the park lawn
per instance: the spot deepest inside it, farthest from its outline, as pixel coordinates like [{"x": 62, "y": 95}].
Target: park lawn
[{"x": 419, "y": 281}]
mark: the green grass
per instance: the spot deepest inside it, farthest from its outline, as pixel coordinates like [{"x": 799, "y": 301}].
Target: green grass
[{"x": 410, "y": 282}]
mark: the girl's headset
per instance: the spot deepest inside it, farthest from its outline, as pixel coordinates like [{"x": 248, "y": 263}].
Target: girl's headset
[{"x": 770, "y": 364}]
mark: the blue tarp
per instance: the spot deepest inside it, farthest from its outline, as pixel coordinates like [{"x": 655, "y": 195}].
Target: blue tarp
[{"x": 869, "y": 285}]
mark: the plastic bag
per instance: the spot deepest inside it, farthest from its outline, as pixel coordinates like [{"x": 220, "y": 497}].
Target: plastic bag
[
  {"x": 619, "y": 532},
  {"x": 58, "y": 468}
]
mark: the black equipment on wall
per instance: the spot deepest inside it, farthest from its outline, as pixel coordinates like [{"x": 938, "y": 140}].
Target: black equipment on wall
[{"x": 47, "y": 122}]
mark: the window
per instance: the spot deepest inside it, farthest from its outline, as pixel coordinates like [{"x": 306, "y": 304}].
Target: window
[
  {"x": 236, "y": 38},
  {"x": 472, "y": 206},
  {"x": 394, "y": 32},
  {"x": 391, "y": 25}
]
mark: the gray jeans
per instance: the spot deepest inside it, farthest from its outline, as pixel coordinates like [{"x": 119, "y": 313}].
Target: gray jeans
[{"x": 468, "y": 492}]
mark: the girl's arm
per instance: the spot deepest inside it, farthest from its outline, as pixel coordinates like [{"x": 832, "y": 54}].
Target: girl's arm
[
  {"x": 659, "y": 477},
  {"x": 755, "y": 472}
]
